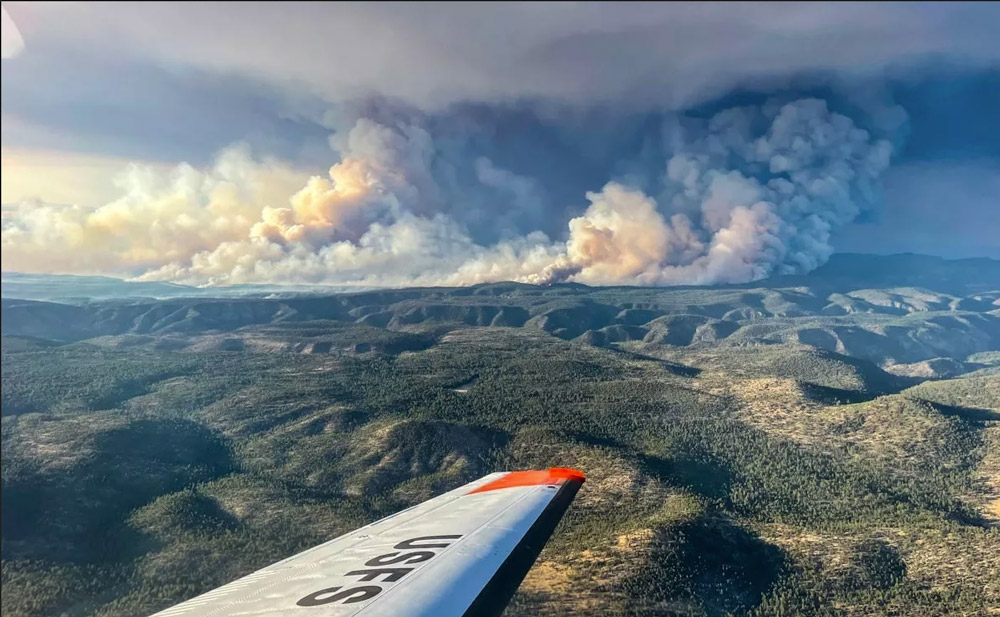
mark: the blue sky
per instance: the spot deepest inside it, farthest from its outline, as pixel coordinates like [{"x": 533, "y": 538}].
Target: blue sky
[{"x": 501, "y": 119}]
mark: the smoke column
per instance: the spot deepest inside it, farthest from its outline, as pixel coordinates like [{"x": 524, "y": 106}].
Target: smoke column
[{"x": 748, "y": 193}]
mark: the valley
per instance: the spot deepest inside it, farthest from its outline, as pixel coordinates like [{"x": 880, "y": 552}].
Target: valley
[{"x": 818, "y": 445}]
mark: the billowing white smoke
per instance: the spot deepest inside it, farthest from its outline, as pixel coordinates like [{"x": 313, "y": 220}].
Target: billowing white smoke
[
  {"x": 159, "y": 219},
  {"x": 745, "y": 207},
  {"x": 749, "y": 193}
]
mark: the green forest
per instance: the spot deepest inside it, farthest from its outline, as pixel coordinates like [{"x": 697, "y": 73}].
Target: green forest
[{"x": 749, "y": 451}]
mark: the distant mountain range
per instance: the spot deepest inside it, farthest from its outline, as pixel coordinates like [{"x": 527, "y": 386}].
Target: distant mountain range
[
  {"x": 959, "y": 276},
  {"x": 75, "y": 289},
  {"x": 911, "y": 270},
  {"x": 893, "y": 310}
]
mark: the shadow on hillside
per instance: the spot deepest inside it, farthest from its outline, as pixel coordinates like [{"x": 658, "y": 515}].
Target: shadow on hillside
[
  {"x": 966, "y": 413},
  {"x": 835, "y": 396},
  {"x": 699, "y": 474},
  {"x": 81, "y": 511},
  {"x": 724, "y": 568},
  {"x": 681, "y": 370}
]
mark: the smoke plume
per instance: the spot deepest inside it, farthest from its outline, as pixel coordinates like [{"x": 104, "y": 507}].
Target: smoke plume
[{"x": 744, "y": 194}]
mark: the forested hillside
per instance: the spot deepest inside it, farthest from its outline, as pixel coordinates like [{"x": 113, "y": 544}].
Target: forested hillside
[{"x": 808, "y": 446}]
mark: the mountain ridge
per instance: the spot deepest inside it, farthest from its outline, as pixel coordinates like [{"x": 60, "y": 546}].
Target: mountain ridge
[{"x": 898, "y": 270}]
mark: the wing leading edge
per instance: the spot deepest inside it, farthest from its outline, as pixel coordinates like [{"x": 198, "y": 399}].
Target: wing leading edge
[{"x": 461, "y": 554}]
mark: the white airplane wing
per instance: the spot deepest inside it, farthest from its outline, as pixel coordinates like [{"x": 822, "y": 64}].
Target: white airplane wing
[{"x": 461, "y": 554}]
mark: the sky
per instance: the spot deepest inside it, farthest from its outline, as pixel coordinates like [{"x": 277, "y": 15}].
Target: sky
[{"x": 457, "y": 143}]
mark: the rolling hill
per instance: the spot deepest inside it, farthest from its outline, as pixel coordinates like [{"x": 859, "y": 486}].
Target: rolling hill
[{"x": 819, "y": 445}]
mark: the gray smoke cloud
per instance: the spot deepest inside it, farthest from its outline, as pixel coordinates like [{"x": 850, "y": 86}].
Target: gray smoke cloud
[
  {"x": 745, "y": 206},
  {"x": 746, "y": 193},
  {"x": 671, "y": 54}
]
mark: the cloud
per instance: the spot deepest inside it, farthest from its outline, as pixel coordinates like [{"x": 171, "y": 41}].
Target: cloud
[
  {"x": 160, "y": 217},
  {"x": 12, "y": 44},
  {"x": 671, "y": 54},
  {"x": 746, "y": 193},
  {"x": 607, "y": 144},
  {"x": 59, "y": 177},
  {"x": 749, "y": 206}
]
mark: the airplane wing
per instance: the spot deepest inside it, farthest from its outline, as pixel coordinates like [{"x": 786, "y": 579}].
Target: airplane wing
[{"x": 461, "y": 554}]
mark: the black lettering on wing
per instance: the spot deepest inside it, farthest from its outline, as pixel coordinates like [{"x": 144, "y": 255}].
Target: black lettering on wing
[
  {"x": 392, "y": 574},
  {"x": 393, "y": 558},
  {"x": 334, "y": 594},
  {"x": 426, "y": 542}
]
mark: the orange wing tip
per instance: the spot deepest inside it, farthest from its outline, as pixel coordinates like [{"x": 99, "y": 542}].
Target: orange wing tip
[
  {"x": 566, "y": 472},
  {"x": 553, "y": 475}
]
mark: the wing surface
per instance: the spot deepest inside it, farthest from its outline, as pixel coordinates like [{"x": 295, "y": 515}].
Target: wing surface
[{"x": 461, "y": 554}]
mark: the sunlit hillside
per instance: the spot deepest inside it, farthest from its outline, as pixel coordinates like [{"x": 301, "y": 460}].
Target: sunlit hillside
[{"x": 823, "y": 445}]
